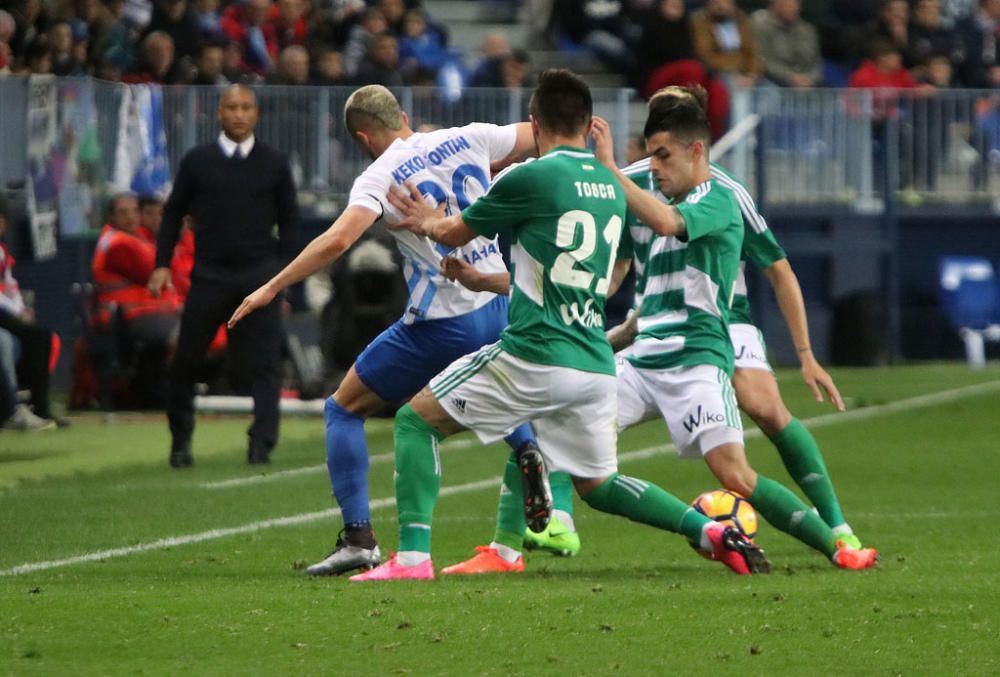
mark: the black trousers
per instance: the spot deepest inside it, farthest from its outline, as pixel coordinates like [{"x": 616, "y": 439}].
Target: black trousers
[
  {"x": 254, "y": 347},
  {"x": 33, "y": 364}
]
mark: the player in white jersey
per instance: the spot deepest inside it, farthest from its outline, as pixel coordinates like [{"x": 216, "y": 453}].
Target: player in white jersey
[{"x": 442, "y": 321}]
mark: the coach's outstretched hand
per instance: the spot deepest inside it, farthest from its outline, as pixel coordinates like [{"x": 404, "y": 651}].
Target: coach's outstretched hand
[
  {"x": 260, "y": 298},
  {"x": 416, "y": 212},
  {"x": 604, "y": 149}
]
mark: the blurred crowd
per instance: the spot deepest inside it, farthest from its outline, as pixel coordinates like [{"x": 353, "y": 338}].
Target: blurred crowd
[{"x": 218, "y": 42}]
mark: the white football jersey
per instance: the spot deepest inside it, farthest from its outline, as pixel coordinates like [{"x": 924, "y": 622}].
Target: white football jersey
[{"x": 451, "y": 166}]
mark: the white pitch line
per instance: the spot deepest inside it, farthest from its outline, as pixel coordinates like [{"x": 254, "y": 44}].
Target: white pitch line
[
  {"x": 314, "y": 469},
  {"x": 292, "y": 520}
]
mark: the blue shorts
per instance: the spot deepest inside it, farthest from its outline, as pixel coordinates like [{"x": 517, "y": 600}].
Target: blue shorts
[{"x": 405, "y": 357}]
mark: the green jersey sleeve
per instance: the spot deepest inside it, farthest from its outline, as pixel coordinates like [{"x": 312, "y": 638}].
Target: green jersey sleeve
[
  {"x": 707, "y": 209},
  {"x": 506, "y": 203},
  {"x": 761, "y": 247}
]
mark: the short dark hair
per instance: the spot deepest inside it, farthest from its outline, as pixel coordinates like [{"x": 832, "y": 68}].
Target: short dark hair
[
  {"x": 147, "y": 199},
  {"x": 684, "y": 118},
  {"x": 561, "y": 102}
]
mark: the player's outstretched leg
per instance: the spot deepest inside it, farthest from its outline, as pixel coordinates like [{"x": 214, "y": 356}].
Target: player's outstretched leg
[
  {"x": 641, "y": 501},
  {"x": 418, "y": 482},
  {"x": 347, "y": 464},
  {"x": 802, "y": 458},
  {"x": 758, "y": 395}
]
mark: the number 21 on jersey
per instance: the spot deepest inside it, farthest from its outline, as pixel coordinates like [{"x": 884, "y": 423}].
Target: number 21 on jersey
[{"x": 565, "y": 270}]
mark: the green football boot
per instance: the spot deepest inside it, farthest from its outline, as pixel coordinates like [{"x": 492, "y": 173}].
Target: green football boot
[
  {"x": 556, "y": 539},
  {"x": 848, "y": 541}
]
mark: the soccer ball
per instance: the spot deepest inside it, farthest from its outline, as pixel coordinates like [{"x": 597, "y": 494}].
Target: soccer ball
[{"x": 729, "y": 508}]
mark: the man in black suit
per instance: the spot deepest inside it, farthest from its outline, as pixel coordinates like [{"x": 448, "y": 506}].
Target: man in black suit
[{"x": 237, "y": 190}]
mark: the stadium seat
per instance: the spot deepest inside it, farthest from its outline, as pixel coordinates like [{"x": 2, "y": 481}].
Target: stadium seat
[{"x": 969, "y": 295}]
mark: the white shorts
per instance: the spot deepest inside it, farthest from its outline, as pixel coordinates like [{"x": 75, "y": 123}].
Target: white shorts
[
  {"x": 749, "y": 347},
  {"x": 698, "y": 404},
  {"x": 573, "y": 412}
]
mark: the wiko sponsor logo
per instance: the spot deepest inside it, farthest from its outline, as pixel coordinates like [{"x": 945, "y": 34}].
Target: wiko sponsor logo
[
  {"x": 745, "y": 353},
  {"x": 588, "y": 317},
  {"x": 700, "y": 417}
]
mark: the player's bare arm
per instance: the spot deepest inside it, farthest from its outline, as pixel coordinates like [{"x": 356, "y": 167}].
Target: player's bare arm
[
  {"x": 662, "y": 218},
  {"x": 524, "y": 147},
  {"x": 472, "y": 278},
  {"x": 323, "y": 250},
  {"x": 422, "y": 219},
  {"x": 789, "y": 296},
  {"x": 623, "y": 335}
]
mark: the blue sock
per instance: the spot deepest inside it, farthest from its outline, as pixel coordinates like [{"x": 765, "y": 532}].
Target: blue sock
[
  {"x": 521, "y": 436},
  {"x": 347, "y": 463}
]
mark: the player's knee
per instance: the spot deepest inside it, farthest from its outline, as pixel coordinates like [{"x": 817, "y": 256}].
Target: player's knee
[{"x": 770, "y": 415}]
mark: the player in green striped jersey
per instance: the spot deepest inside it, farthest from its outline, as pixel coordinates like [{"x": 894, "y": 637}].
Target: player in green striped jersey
[
  {"x": 756, "y": 388},
  {"x": 553, "y": 365},
  {"x": 680, "y": 364}
]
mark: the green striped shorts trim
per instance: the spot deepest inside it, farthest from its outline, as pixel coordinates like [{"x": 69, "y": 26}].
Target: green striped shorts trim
[
  {"x": 466, "y": 371},
  {"x": 729, "y": 400}
]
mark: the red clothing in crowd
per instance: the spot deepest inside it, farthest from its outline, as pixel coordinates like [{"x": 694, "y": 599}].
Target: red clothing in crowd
[
  {"x": 235, "y": 26},
  {"x": 885, "y": 84},
  {"x": 121, "y": 268}
]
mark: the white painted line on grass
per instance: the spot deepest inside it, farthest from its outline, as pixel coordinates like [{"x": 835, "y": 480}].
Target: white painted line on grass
[
  {"x": 292, "y": 520},
  {"x": 314, "y": 469},
  {"x": 175, "y": 541}
]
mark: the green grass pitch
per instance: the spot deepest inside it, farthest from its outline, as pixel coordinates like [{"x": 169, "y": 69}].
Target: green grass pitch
[{"x": 90, "y": 582}]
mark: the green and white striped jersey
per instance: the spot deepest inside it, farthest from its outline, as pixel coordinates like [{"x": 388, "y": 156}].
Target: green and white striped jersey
[
  {"x": 565, "y": 214},
  {"x": 759, "y": 244},
  {"x": 684, "y": 289}
]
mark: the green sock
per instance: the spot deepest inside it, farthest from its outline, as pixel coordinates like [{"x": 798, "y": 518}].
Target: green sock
[
  {"x": 418, "y": 478},
  {"x": 562, "y": 491},
  {"x": 784, "y": 510},
  {"x": 510, "y": 509},
  {"x": 647, "y": 503},
  {"x": 804, "y": 462}
]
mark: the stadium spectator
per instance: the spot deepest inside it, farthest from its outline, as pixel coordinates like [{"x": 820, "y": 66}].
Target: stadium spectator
[
  {"x": 122, "y": 264},
  {"x": 331, "y": 21},
  {"x": 954, "y": 12},
  {"x": 247, "y": 24},
  {"x": 115, "y": 48},
  {"x": 233, "y": 68},
  {"x": 15, "y": 415},
  {"x": 381, "y": 64},
  {"x": 178, "y": 19},
  {"x": 37, "y": 58},
  {"x": 210, "y": 64},
  {"x": 979, "y": 33},
  {"x": 61, "y": 50},
  {"x": 929, "y": 37},
  {"x": 292, "y": 69},
  {"x": 724, "y": 42},
  {"x": 287, "y": 19},
  {"x": 789, "y": 46},
  {"x": 7, "y": 28},
  {"x": 34, "y": 341},
  {"x": 137, "y": 13},
  {"x": 421, "y": 52},
  {"x": 893, "y": 24},
  {"x": 209, "y": 20},
  {"x": 601, "y": 26},
  {"x": 328, "y": 69},
  {"x": 157, "y": 64},
  {"x": 508, "y": 70},
  {"x": 394, "y": 12},
  {"x": 150, "y": 215},
  {"x": 362, "y": 34},
  {"x": 494, "y": 45},
  {"x": 29, "y": 23},
  {"x": 237, "y": 189}
]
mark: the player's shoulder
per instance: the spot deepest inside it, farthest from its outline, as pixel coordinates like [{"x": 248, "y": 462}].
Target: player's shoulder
[{"x": 517, "y": 171}]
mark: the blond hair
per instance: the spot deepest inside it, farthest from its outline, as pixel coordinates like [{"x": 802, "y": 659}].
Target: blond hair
[{"x": 370, "y": 107}]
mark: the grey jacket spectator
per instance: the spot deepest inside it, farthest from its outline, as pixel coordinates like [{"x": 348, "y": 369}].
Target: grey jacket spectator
[{"x": 789, "y": 46}]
